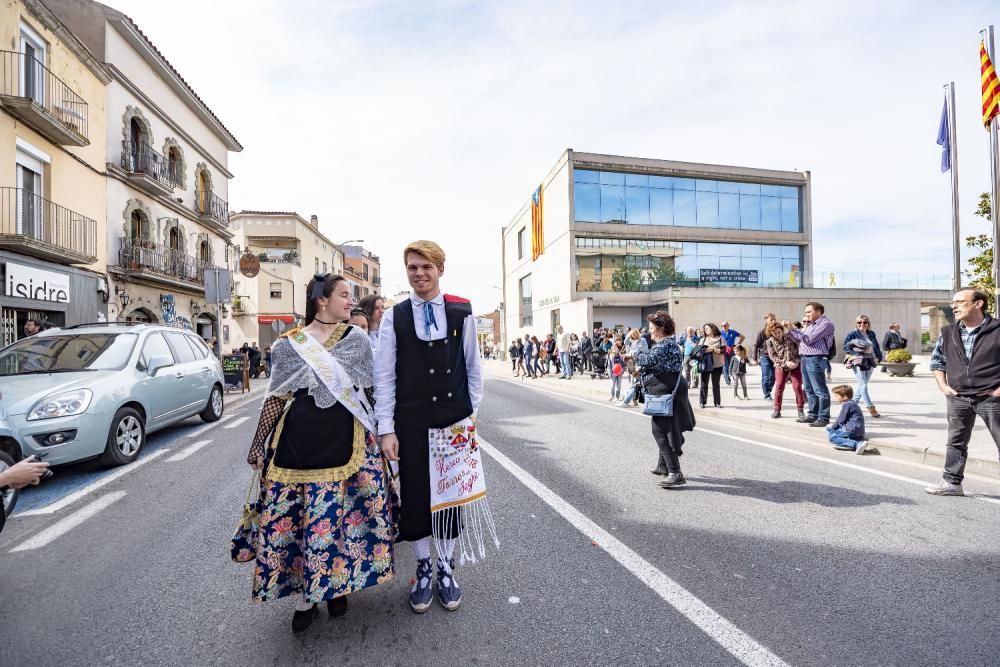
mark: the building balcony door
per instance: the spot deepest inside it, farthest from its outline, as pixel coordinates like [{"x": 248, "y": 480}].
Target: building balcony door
[
  {"x": 29, "y": 194},
  {"x": 32, "y": 72}
]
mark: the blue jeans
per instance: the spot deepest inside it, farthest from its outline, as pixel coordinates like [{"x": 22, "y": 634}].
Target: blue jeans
[
  {"x": 862, "y": 390},
  {"x": 632, "y": 393},
  {"x": 616, "y": 386},
  {"x": 567, "y": 366},
  {"x": 766, "y": 376},
  {"x": 725, "y": 366},
  {"x": 814, "y": 383},
  {"x": 838, "y": 436}
]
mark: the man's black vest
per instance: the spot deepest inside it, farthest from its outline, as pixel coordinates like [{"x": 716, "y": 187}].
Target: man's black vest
[
  {"x": 980, "y": 375},
  {"x": 432, "y": 387}
]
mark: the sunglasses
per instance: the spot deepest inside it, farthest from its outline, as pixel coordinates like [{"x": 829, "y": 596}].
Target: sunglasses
[{"x": 862, "y": 322}]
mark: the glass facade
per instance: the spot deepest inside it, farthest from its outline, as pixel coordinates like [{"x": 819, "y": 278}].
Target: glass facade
[
  {"x": 639, "y": 199},
  {"x": 633, "y": 265}
]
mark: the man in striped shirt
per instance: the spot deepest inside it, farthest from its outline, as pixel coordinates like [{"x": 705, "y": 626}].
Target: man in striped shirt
[{"x": 814, "y": 339}]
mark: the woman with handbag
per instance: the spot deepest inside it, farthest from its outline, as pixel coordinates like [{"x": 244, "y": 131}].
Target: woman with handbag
[
  {"x": 326, "y": 526},
  {"x": 863, "y": 356},
  {"x": 666, "y": 397},
  {"x": 710, "y": 364},
  {"x": 783, "y": 352}
]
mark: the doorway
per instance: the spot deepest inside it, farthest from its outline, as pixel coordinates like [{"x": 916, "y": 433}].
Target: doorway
[{"x": 554, "y": 321}]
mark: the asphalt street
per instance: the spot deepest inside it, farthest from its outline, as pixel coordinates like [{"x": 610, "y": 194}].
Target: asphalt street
[{"x": 774, "y": 551}]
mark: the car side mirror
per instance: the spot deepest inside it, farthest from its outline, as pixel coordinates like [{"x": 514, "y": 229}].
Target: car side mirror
[{"x": 156, "y": 363}]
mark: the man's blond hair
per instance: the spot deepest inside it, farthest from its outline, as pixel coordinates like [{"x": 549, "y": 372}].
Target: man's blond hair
[{"x": 429, "y": 250}]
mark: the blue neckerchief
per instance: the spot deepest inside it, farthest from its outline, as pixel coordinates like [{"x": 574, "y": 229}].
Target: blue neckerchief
[{"x": 429, "y": 320}]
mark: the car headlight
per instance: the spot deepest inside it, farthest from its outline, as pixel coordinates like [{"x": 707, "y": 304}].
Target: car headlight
[{"x": 66, "y": 404}]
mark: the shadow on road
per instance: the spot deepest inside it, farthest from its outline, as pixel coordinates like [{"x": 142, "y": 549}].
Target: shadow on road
[{"x": 792, "y": 491}]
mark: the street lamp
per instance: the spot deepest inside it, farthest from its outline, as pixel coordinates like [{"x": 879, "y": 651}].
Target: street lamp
[{"x": 351, "y": 241}]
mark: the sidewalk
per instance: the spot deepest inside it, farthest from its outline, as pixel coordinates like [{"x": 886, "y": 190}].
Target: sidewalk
[{"x": 912, "y": 425}]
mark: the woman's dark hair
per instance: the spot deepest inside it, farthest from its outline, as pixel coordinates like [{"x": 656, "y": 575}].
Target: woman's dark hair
[
  {"x": 321, "y": 286},
  {"x": 367, "y": 304},
  {"x": 662, "y": 320},
  {"x": 715, "y": 329},
  {"x": 361, "y": 311}
]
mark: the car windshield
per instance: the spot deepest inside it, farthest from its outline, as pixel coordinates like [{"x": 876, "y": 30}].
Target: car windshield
[{"x": 67, "y": 353}]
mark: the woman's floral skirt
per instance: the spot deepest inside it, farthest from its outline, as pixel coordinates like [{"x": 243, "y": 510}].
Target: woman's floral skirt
[{"x": 325, "y": 539}]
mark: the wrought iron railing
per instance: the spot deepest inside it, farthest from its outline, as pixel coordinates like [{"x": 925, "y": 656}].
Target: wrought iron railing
[
  {"x": 207, "y": 203},
  {"x": 146, "y": 256},
  {"x": 24, "y": 213},
  {"x": 141, "y": 158},
  {"x": 24, "y": 76}
]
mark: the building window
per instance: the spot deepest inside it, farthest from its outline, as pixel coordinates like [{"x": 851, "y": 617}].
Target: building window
[
  {"x": 32, "y": 73},
  {"x": 203, "y": 191},
  {"x": 205, "y": 253},
  {"x": 524, "y": 289},
  {"x": 316, "y": 260},
  {"x": 29, "y": 181},
  {"x": 639, "y": 199},
  {"x": 175, "y": 164},
  {"x": 139, "y": 227},
  {"x": 520, "y": 243},
  {"x": 324, "y": 268},
  {"x": 275, "y": 290}
]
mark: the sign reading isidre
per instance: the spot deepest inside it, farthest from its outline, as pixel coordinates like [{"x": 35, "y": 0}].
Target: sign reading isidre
[{"x": 28, "y": 282}]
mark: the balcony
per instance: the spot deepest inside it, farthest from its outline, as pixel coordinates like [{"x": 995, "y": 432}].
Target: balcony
[
  {"x": 147, "y": 169},
  {"x": 210, "y": 208},
  {"x": 33, "y": 225},
  {"x": 161, "y": 264},
  {"x": 40, "y": 99},
  {"x": 353, "y": 272}
]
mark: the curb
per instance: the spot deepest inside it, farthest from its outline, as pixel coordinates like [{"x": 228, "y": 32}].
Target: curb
[
  {"x": 911, "y": 453},
  {"x": 232, "y": 398}
]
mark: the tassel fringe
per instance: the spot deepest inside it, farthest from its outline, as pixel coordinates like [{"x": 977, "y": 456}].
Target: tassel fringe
[{"x": 467, "y": 526}]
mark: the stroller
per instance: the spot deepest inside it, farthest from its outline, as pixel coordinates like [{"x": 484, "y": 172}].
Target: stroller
[{"x": 599, "y": 361}]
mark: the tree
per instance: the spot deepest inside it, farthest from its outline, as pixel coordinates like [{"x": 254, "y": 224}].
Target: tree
[
  {"x": 980, "y": 271},
  {"x": 626, "y": 279},
  {"x": 667, "y": 273}
]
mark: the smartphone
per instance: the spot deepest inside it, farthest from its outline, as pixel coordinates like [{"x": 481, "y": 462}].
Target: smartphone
[{"x": 38, "y": 457}]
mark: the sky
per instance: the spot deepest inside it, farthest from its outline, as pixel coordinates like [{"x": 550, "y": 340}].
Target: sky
[{"x": 394, "y": 121}]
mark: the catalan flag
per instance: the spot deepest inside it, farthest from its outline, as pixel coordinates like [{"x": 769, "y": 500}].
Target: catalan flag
[
  {"x": 991, "y": 87},
  {"x": 537, "y": 225}
]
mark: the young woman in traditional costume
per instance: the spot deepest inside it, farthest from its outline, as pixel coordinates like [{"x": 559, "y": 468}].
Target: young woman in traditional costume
[{"x": 326, "y": 525}]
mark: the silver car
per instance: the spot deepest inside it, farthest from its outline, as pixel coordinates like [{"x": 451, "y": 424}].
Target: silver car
[{"x": 97, "y": 390}]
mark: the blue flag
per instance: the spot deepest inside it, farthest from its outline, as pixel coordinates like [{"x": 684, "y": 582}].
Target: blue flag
[{"x": 944, "y": 139}]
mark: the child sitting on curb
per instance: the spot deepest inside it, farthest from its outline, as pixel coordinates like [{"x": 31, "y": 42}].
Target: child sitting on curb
[{"x": 848, "y": 432}]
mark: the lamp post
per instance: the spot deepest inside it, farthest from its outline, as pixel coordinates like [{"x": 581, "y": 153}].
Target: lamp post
[{"x": 123, "y": 299}]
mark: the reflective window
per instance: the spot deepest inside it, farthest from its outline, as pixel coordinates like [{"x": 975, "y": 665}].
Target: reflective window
[
  {"x": 182, "y": 351},
  {"x": 619, "y": 197},
  {"x": 524, "y": 287}
]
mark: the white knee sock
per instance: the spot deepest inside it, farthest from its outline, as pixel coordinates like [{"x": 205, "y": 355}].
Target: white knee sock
[
  {"x": 444, "y": 558},
  {"x": 422, "y": 548},
  {"x": 301, "y": 604}
]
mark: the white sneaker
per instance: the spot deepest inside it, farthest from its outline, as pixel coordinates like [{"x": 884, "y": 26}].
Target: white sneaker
[
  {"x": 860, "y": 449},
  {"x": 945, "y": 488}
]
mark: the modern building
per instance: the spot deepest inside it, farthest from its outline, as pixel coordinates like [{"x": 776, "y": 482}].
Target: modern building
[
  {"x": 166, "y": 156},
  {"x": 52, "y": 194},
  {"x": 363, "y": 271},
  {"x": 289, "y": 250},
  {"x": 606, "y": 240}
]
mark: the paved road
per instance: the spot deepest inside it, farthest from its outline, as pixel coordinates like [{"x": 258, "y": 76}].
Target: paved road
[{"x": 776, "y": 553}]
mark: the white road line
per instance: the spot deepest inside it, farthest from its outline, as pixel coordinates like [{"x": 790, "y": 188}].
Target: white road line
[
  {"x": 236, "y": 422},
  {"x": 727, "y": 635},
  {"x": 766, "y": 445},
  {"x": 201, "y": 429},
  {"x": 90, "y": 488},
  {"x": 188, "y": 451},
  {"x": 63, "y": 526}
]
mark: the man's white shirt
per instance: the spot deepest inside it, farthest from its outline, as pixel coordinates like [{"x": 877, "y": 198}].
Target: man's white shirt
[{"x": 385, "y": 358}]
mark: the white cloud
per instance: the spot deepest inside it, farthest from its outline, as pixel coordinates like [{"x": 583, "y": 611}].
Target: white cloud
[{"x": 400, "y": 120}]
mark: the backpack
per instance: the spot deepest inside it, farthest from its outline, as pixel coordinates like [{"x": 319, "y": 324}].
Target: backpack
[{"x": 833, "y": 348}]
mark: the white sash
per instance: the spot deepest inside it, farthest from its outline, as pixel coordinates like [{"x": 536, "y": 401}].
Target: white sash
[{"x": 332, "y": 374}]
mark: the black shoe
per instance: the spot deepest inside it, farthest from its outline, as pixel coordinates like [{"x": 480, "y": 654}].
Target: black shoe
[
  {"x": 660, "y": 469},
  {"x": 703, "y": 405},
  {"x": 820, "y": 422},
  {"x": 337, "y": 606},
  {"x": 808, "y": 419},
  {"x": 303, "y": 619},
  {"x": 776, "y": 414}
]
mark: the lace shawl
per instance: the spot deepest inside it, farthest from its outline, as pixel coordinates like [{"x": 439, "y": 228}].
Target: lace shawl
[{"x": 289, "y": 372}]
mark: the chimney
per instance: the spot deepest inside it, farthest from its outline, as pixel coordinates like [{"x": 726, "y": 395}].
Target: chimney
[{"x": 314, "y": 221}]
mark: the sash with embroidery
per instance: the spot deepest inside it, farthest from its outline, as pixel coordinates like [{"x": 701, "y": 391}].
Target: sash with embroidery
[
  {"x": 458, "y": 491},
  {"x": 333, "y": 375}
]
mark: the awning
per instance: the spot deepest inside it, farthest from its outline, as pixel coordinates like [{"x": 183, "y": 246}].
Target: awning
[{"x": 268, "y": 319}]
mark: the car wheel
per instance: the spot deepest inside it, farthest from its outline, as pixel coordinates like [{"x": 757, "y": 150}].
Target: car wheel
[
  {"x": 10, "y": 495},
  {"x": 213, "y": 411},
  {"x": 126, "y": 437}
]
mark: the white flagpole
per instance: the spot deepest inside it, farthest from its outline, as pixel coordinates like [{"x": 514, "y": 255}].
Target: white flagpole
[
  {"x": 994, "y": 169},
  {"x": 956, "y": 246}
]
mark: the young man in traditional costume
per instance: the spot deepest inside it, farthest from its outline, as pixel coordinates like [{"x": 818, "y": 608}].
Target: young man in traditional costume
[{"x": 428, "y": 384}]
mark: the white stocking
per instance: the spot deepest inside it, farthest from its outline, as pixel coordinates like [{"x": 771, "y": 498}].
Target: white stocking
[
  {"x": 422, "y": 548},
  {"x": 445, "y": 558},
  {"x": 301, "y": 604}
]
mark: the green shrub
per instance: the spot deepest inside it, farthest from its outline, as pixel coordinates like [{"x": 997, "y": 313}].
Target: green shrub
[{"x": 898, "y": 357}]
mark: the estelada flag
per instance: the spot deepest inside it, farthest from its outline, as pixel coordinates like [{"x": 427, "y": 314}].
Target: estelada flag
[
  {"x": 537, "y": 225},
  {"x": 991, "y": 87}
]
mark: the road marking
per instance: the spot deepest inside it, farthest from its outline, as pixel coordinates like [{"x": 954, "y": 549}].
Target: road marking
[
  {"x": 766, "y": 445},
  {"x": 63, "y": 526},
  {"x": 727, "y": 635},
  {"x": 201, "y": 429},
  {"x": 184, "y": 453},
  {"x": 90, "y": 488},
  {"x": 236, "y": 422}
]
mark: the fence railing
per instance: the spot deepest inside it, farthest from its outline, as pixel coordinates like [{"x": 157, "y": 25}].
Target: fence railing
[
  {"x": 642, "y": 282},
  {"x": 141, "y": 158},
  {"x": 207, "y": 203},
  {"x": 22, "y": 75},
  {"x": 140, "y": 255},
  {"x": 24, "y": 213}
]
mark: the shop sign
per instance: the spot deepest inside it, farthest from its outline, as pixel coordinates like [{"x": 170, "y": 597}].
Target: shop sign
[
  {"x": 249, "y": 265},
  {"x": 550, "y": 301},
  {"x": 727, "y": 276},
  {"x": 27, "y": 282},
  {"x": 484, "y": 325},
  {"x": 269, "y": 319}
]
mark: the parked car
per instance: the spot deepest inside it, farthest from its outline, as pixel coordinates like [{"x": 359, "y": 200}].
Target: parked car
[{"x": 96, "y": 391}]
